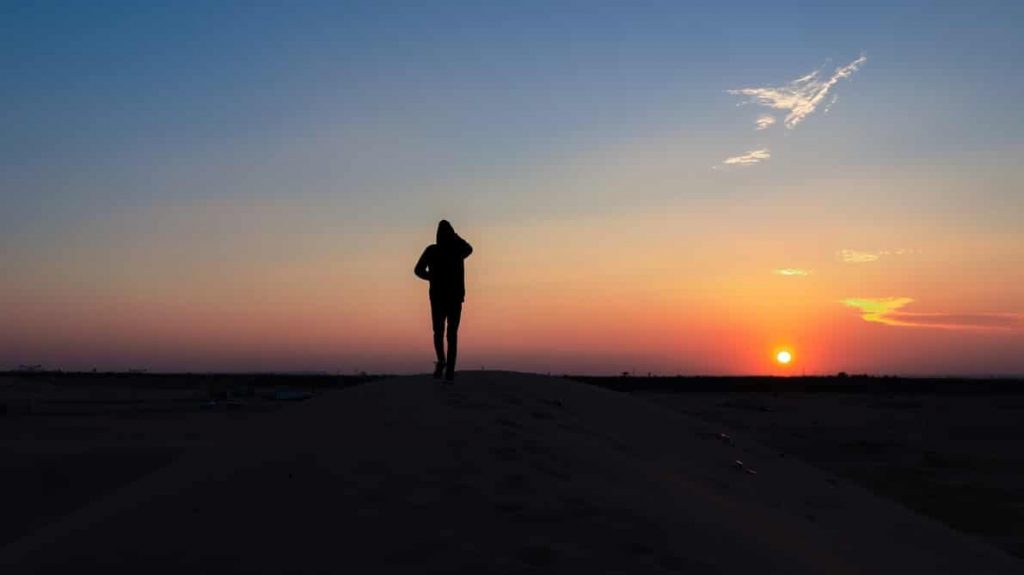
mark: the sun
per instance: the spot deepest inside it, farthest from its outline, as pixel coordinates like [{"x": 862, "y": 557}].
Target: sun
[{"x": 784, "y": 357}]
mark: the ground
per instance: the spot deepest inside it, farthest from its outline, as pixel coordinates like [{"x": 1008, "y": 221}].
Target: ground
[{"x": 501, "y": 472}]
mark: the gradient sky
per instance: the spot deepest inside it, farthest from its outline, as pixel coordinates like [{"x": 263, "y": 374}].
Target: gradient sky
[{"x": 246, "y": 186}]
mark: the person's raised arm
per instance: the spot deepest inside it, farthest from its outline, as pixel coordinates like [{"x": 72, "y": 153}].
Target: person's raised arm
[
  {"x": 421, "y": 270},
  {"x": 466, "y": 249}
]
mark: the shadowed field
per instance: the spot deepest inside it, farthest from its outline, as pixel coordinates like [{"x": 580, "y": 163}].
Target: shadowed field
[
  {"x": 950, "y": 448},
  {"x": 501, "y": 472}
]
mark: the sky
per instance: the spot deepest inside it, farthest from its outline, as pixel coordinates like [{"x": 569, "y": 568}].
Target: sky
[{"x": 664, "y": 187}]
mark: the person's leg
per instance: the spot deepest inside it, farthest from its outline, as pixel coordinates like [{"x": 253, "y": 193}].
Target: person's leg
[
  {"x": 437, "y": 313},
  {"x": 454, "y": 318}
]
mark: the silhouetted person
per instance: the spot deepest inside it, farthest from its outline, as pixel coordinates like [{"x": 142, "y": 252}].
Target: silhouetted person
[{"x": 442, "y": 265}]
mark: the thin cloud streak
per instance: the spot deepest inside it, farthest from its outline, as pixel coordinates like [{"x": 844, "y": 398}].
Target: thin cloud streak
[
  {"x": 863, "y": 256},
  {"x": 793, "y": 272},
  {"x": 802, "y": 96},
  {"x": 878, "y": 309},
  {"x": 750, "y": 158},
  {"x": 858, "y": 257},
  {"x": 888, "y": 311},
  {"x": 765, "y": 121}
]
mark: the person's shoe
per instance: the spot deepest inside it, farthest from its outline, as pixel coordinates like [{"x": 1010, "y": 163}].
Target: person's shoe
[
  {"x": 449, "y": 374},
  {"x": 438, "y": 369}
]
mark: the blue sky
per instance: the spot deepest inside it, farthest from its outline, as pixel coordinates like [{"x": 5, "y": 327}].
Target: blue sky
[{"x": 478, "y": 84}]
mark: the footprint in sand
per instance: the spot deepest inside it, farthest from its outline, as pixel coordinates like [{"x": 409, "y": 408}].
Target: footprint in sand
[
  {"x": 516, "y": 482},
  {"x": 512, "y": 400},
  {"x": 533, "y": 447},
  {"x": 505, "y": 422},
  {"x": 506, "y": 453},
  {"x": 550, "y": 470},
  {"x": 538, "y": 555},
  {"x": 509, "y": 507},
  {"x": 553, "y": 403}
]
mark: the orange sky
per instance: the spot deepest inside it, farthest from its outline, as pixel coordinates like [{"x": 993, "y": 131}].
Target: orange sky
[{"x": 668, "y": 291}]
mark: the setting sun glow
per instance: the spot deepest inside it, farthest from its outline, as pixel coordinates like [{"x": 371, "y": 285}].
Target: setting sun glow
[{"x": 784, "y": 357}]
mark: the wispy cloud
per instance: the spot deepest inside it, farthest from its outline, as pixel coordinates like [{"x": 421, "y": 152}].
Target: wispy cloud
[
  {"x": 974, "y": 321},
  {"x": 835, "y": 98},
  {"x": 750, "y": 158},
  {"x": 792, "y": 272},
  {"x": 765, "y": 121},
  {"x": 889, "y": 311},
  {"x": 858, "y": 257},
  {"x": 878, "y": 309},
  {"x": 801, "y": 97},
  {"x": 863, "y": 256}
]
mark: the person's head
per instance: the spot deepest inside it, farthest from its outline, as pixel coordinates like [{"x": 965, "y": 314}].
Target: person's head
[{"x": 445, "y": 232}]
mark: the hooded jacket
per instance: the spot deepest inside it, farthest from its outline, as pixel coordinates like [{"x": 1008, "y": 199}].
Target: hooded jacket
[{"x": 442, "y": 264}]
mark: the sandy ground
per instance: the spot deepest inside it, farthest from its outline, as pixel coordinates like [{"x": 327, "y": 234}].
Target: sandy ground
[
  {"x": 500, "y": 473},
  {"x": 957, "y": 457}
]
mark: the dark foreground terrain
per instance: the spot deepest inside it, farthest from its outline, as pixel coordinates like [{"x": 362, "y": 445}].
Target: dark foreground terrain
[
  {"x": 67, "y": 438},
  {"x": 575, "y": 470},
  {"x": 949, "y": 448}
]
